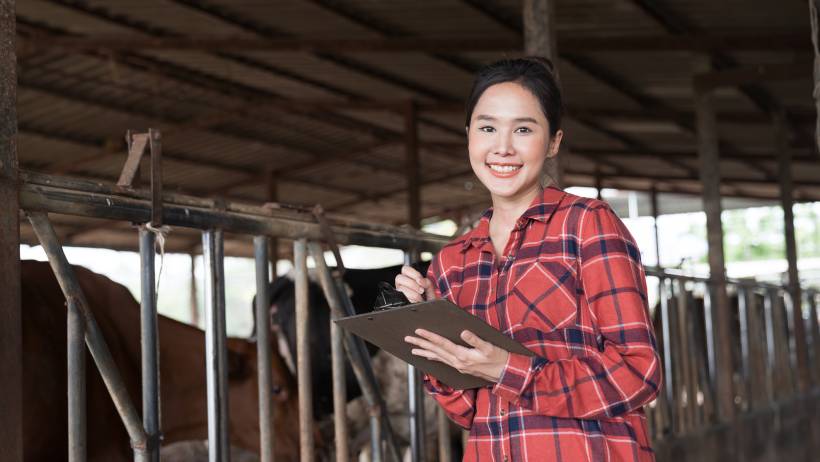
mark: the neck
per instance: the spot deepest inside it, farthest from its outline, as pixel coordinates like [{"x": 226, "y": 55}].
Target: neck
[{"x": 506, "y": 210}]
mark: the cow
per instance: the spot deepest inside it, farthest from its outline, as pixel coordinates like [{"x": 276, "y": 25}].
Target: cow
[
  {"x": 362, "y": 289},
  {"x": 391, "y": 372},
  {"x": 182, "y": 375}
]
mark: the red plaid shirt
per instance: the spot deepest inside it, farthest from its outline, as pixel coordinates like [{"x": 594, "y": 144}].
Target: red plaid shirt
[{"x": 571, "y": 288}]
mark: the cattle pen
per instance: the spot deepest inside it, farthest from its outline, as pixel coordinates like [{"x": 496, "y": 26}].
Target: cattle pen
[{"x": 357, "y": 105}]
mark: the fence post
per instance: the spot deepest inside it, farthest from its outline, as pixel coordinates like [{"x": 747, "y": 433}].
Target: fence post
[
  {"x": 149, "y": 344},
  {"x": 215, "y": 346},
  {"x": 263, "y": 354},
  {"x": 76, "y": 384},
  {"x": 303, "y": 370}
]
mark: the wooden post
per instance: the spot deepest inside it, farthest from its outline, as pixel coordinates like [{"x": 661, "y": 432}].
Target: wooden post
[
  {"x": 539, "y": 40},
  {"x": 273, "y": 196},
  {"x": 708, "y": 154},
  {"x": 786, "y": 201},
  {"x": 11, "y": 353},
  {"x": 413, "y": 167}
]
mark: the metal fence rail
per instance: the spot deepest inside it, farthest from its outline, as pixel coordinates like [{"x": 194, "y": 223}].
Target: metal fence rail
[
  {"x": 41, "y": 194},
  {"x": 764, "y": 369}
]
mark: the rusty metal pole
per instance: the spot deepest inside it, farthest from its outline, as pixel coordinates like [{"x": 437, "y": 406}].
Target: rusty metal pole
[
  {"x": 300, "y": 278},
  {"x": 540, "y": 40},
  {"x": 263, "y": 354},
  {"x": 273, "y": 196},
  {"x": 77, "y": 417},
  {"x": 709, "y": 155},
  {"x": 786, "y": 201},
  {"x": 93, "y": 335},
  {"x": 149, "y": 341},
  {"x": 11, "y": 329},
  {"x": 415, "y": 395}
]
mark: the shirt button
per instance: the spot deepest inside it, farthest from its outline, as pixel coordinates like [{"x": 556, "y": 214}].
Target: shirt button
[{"x": 503, "y": 412}]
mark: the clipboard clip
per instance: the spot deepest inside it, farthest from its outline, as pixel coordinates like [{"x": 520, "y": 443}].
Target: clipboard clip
[{"x": 389, "y": 297}]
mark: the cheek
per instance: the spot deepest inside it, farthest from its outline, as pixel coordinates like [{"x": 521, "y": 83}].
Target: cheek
[{"x": 533, "y": 148}]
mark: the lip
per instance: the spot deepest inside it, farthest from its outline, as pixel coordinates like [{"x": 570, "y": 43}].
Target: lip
[{"x": 504, "y": 174}]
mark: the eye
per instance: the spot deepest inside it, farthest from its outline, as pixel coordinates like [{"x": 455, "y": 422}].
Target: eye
[
  {"x": 523, "y": 130},
  {"x": 487, "y": 129}
]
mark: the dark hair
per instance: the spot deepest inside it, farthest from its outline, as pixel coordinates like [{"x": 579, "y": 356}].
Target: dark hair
[{"x": 533, "y": 73}]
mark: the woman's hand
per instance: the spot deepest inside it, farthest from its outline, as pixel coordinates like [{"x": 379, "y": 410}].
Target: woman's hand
[
  {"x": 414, "y": 286},
  {"x": 484, "y": 360}
]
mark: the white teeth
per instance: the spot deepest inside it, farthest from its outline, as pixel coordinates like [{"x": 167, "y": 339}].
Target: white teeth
[{"x": 504, "y": 168}]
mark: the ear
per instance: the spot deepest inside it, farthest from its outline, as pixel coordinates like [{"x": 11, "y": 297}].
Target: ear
[{"x": 555, "y": 144}]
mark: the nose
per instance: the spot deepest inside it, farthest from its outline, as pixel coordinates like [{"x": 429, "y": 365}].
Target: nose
[{"x": 504, "y": 146}]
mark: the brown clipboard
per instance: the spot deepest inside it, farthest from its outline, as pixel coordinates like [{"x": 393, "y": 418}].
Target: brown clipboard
[{"x": 387, "y": 329}]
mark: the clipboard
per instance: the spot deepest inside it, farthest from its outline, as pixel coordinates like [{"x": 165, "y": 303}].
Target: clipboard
[{"x": 387, "y": 329}]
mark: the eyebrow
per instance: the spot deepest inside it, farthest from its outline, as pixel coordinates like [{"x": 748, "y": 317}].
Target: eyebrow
[{"x": 493, "y": 119}]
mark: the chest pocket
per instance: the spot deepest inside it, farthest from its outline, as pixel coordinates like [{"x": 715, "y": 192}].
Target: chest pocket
[{"x": 543, "y": 295}]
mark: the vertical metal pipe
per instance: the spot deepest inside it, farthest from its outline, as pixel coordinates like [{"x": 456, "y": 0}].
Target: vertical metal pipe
[
  {"x": 149, "y": 340},
  {"x": 653, "y": 196},
  {"x": 76, "y": 384},
  {"x": 194, "y": 293},
  {"x": 771, "y": 356},
  {"x": 339, "y": 391},
  {"x": 215, "y": 352},
  {"x": 300, "y": 277},
  {"x": 93, "y": 336},
  {"x": 745, "y": 344},
  {"x": 375, "y": 436},
  {"x": 415, "y": 396},
  {"x": 668, "y": 364},
  {"x": 357, "y": 354},
  {"x": 263, "y": 356},
  {"x": 445, "y": 453}
]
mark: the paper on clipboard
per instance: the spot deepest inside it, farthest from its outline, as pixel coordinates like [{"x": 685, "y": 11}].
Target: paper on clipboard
[{"x": 387, "y": 329}]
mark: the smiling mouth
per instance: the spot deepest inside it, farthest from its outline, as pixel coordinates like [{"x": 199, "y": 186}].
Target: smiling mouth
[{"x": 504, "y": 170}]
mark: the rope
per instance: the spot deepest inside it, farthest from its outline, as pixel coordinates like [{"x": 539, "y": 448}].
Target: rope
[
  {"x": 161, "y": 233},
  {"x": 816, "y": 48}
]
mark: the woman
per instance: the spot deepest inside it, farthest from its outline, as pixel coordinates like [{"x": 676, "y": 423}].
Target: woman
[{"x": 561, "y": 275}]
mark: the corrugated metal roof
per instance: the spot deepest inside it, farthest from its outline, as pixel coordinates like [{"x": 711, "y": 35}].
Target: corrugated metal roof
[{"x": 230, "y": 116}]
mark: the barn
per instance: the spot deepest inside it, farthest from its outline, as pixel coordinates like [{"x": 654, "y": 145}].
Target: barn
[{"x": 286, "y": 129}]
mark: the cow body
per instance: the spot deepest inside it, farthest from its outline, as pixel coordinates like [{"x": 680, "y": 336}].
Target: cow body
[
  {"x": 182, "y": 375},
  {"x": 362, "y": 289}
]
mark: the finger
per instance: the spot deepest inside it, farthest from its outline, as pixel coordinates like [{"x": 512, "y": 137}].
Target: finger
[
  {"x": 409, "y": 283},
  {"x": 412, "y": 295},
  {"x": 443, "y": 353},
  {"x": 476, "y": 342},
  {"x": 426, "y": 354},
  {"x": 411, "y": 272}
]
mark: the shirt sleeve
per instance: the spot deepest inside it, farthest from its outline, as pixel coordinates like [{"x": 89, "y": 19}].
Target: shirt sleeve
[
  {"x": 459, "y": 405},
  {"x": 624, "y": 372}
]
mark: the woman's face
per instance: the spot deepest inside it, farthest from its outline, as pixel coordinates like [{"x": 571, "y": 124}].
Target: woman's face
[{"x": 508, "y": 140}]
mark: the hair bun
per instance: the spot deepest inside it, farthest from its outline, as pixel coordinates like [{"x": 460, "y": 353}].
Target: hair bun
[{"x": 542, "y": 61}]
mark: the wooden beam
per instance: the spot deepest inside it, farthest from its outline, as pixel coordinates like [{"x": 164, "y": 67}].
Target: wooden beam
[
  {"x": 753, "y": 74},
  {"x": 411, "y": 134},
  {"x": 748, "y": 41},
  {"x": 786, "y": 201},
  {"x": 11, "y": 328},
  {"x": 540, "y": 40},
  {"x": 708, "y": 149}
]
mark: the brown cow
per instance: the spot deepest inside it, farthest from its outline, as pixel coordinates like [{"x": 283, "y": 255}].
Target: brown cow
[{"x": 182, "y": 375}]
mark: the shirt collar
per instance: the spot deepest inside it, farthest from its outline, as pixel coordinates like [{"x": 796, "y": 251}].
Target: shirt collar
[{"x": 541, "y": 209}]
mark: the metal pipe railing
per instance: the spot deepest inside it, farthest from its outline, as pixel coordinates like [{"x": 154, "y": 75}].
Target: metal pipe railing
[
  {"x": 76, "y": 383},
  {"x": 93, "y": 336},
  {"x": 340, "y": 305},
  {"x": 300, "y": 276},
  {"x": 263, "y": 353},
  {"x": 216, "y": 372},
  {"x": 149, "y": 339}
]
